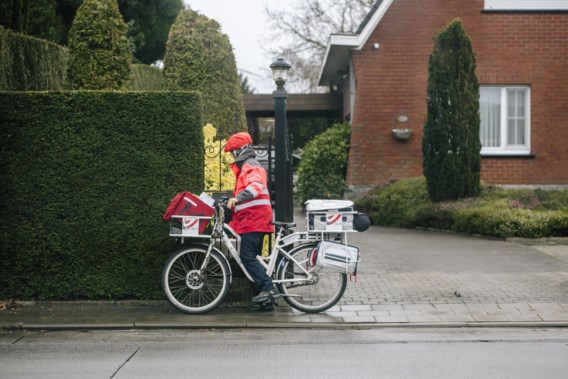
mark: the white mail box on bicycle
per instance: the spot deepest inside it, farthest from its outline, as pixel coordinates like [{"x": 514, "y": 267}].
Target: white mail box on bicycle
[
  {"x": 189, "y": 215},
  {"x": 330, "y": 215},
  {"x": 336, "y": 256}
]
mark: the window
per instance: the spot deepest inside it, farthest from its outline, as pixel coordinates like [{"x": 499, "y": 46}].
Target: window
[{"x": 505, "y": 120}]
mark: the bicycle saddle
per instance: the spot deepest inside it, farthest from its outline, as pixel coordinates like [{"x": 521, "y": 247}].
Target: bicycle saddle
[{"x": 286, "y": 225}]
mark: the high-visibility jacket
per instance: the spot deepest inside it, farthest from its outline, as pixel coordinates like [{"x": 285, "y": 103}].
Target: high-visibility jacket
[{"x": 253, "y": 215}]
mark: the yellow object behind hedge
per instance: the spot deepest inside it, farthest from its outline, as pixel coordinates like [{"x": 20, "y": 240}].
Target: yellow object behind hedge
[{"x": 213, "y": 165}]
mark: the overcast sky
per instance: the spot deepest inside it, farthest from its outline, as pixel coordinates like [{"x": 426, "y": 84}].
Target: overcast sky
[{"x": 245, "y": 23}]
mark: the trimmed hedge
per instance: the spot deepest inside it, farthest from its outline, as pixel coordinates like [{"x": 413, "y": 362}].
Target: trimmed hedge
[
  {"x": 496, "y": 212},
  {"x": 86, "y": 177},
  {"x": 145, "y": 78},
  {"x": 30, "y": 64}
]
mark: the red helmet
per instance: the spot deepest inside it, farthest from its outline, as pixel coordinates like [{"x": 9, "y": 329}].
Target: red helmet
[{"x": 237, "y": 141}]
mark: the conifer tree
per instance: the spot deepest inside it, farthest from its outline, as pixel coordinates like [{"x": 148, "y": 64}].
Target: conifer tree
[
  {"x": 451, "y": 145},
  {"x": 99, "y": 51},
  {"x": 199, "y": 57}
]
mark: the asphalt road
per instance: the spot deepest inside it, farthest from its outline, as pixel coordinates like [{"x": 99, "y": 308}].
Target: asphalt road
[{"x": 277, "y": 353}]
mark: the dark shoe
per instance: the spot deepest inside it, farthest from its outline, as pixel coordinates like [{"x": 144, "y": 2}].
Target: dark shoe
[
  {"x": 261, "y": 307},
  {"x": 266, "y": 295}
]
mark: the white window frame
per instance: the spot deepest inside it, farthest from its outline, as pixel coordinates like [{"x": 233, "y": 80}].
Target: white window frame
[
  {"x": 526, "y": 5},
  {"x": 504, "y": 148}
]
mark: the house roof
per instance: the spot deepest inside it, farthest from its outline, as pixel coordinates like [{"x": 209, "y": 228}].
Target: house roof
[{"x": 338, "y": 52}]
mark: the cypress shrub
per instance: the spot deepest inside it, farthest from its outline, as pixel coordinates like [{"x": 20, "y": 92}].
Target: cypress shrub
[
  {"x": 30, "y": 64},
  {"x": 450, "y": 145},
  {"x": 86, "y": 177},
  {"x": 99, "y": 50},
  {"x": 321, "y": 174},
  {"x": 199, "y": 57}
]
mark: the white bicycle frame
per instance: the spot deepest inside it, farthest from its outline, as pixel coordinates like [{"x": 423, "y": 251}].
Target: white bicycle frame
[{"x": 281, "y": 242}]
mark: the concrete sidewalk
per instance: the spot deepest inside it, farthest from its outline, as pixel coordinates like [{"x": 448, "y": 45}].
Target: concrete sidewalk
[{"x": 406, "y": 277}]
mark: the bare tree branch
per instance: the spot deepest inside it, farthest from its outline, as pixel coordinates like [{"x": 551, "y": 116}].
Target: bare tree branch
[{"x": 302, "y": 34}]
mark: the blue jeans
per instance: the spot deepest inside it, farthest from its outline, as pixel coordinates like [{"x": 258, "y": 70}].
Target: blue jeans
[{"x": 251, "y": 246}]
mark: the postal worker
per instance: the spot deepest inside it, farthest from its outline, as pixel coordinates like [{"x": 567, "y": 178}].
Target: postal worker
[{"x": 252, "y": 216}]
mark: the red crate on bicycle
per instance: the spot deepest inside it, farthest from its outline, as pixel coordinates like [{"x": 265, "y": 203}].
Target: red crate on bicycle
[{"x": 190, "y": 214}]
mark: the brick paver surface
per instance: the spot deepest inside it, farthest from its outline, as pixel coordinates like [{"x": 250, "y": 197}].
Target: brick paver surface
[{"x": 431, "y": 276}]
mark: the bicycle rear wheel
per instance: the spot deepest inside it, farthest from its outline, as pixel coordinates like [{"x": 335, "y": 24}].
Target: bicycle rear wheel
[
  {"x": 316, "y": 295},
  {"x": 190, "y": 290}
]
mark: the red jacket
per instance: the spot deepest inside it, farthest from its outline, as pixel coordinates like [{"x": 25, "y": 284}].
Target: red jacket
[{"x": 254, "y": 215}]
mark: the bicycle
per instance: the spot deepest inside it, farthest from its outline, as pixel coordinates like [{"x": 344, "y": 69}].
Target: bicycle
[{"x": 196, "y": 278}]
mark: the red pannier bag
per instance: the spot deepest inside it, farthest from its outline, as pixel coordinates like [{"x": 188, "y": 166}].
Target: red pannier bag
[{"x": 187, "y": 204}]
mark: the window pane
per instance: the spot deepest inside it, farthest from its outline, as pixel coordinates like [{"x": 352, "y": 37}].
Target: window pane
[
  {"x": 521, "y": 132},
  {"x": 511, "y": 134},
  {"x": 516, "y": 117},
  {"x": 511, "y": 103},
  {"x": 490, "y": 114},
  {"x": 516, "y": 132},
  {"x": 521, "y": 95}
]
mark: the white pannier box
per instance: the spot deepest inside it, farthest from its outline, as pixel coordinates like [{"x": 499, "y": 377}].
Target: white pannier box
[
  {"x": 330, "y": 215},
  {"x": 337, "y": 256}
]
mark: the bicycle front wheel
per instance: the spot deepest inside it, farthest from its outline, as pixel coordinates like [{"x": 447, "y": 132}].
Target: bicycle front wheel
[
  {"x": 321, "y": 292},
  {"x": 191, "y": 289}
]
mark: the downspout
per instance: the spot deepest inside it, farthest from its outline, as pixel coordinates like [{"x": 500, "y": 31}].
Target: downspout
[{"x": 352, "y": 90}]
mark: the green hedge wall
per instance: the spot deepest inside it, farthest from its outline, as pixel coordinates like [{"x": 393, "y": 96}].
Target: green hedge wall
[
  {"x": 30, "y": 64},
  {"x": 145, "y": 78},
  {"x": 86, "y": 177}
]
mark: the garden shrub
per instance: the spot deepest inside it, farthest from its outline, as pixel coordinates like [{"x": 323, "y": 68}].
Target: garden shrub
[
  {"x": 321, "y": 173},
  {"x": 497, "y": 212},
  {"x": 398, "y": 203},
  {"x": 86, "y": 177}
]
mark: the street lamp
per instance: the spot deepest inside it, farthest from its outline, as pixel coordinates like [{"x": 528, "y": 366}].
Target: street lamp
[
  {"x": 280, "y": 70},
  {"x": 284, "y": 199}
]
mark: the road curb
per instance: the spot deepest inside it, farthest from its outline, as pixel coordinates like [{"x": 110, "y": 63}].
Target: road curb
[{"x": 259, "y": 325}]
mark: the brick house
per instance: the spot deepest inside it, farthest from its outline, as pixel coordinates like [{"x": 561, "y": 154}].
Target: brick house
[{"x": 522, "y": 65}]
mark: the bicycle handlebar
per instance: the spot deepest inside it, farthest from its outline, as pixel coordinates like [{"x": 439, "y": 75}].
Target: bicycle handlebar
[{"x": 223, "y": 200}]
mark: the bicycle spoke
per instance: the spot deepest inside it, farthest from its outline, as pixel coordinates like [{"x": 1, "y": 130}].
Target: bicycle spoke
[
  {"x": 314, "y": 293},
  {"x": 192, "y": 289}
]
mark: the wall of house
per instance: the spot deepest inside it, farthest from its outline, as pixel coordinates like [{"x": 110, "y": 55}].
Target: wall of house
[{"x": 512, "y": 48}]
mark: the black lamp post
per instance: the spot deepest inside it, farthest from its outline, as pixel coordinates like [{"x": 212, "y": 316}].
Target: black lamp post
[{"x": 284, "y": 199}]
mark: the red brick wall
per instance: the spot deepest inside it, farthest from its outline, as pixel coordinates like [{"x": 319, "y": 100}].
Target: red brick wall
[{"x": 512, "y": 48}]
